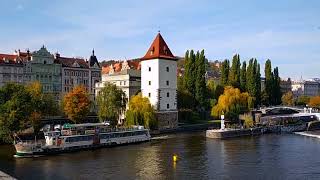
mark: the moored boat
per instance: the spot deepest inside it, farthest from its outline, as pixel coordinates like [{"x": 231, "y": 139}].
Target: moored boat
[{"x": 74, "y": 137}]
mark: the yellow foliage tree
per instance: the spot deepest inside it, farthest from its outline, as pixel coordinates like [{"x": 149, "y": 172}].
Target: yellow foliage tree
[
  {"x": 232, "y": 103},
  {"x": 76, "y": 104},
  {"x": 314, "y": 102},
  {"x": 140, "y": 112},
  {"x": 288, "y": 99}
]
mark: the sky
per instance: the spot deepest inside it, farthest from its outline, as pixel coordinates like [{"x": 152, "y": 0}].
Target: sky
[{"x": 286, "y": 31}]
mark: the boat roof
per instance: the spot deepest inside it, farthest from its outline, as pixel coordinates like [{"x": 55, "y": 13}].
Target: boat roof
[{"x": 84, "y": 125}]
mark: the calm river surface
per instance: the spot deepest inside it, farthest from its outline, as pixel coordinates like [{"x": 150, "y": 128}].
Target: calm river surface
[{"x": 273, "y": 156}]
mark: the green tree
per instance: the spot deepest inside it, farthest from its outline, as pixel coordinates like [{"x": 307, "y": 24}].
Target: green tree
[
  {"x": 111, "y": 103},
  {"x": 141, "y": 113},
  {"x": 257, "y": 84},
  {"x": 225, "y": 68},
  {"x": 276, "y": 87},
  {"x": 200, "y": 82},
  {"x": 234, "y": 76},
  {"x": 268, "y": 83},
  {"x": 76, "y": 104},
  {"x": 189, "y": 75},
  {"x": 15, "y": 108},
  {"x": 302, "y": 100},
  {"x": 243, "y": 78}
]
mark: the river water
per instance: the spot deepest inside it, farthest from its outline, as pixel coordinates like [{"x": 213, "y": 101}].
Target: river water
[{"x": 272, "y": 156}]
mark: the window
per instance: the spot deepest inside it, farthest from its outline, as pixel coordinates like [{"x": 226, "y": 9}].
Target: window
[
  {"x": 168, "y": 106},
  {"x": 168, "y": 94},
  {"x": 167, "y": 69},
  {"x": 149, "y": 68},
  {"x": 149, "y": 94},
  {"x": 149, "y": 82},
  {"x": 167, "y": 83}
]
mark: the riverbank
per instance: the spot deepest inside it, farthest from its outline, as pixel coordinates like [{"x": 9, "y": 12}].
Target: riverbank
[
  {"x": 315, "y": 134},
  {"x": 187, "y": 128}
]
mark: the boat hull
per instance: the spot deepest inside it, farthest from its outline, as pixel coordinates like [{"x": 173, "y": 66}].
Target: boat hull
[{"x": 53, "y": 151}]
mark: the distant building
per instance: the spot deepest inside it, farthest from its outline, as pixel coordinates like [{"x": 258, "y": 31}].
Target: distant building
[
  {"x": 126, "y": 76},
  {"x": 285, "y": 85},
  {"x": 78, "y": 71},
  {"x": 159, "y": 82},
  {"x": 306, "y": 88},
  {"x": 11, "y": 69},
  {"x": 42, "y": 68}
]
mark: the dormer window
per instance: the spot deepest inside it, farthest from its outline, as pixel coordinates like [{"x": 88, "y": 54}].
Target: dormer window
[
  {"x": 165, "y": 50},
  {"x": 152, "y": 51}
]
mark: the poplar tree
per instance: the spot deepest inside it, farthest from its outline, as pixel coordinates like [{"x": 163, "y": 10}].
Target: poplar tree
[
  {"x": 234, "y": 77},
  {"x": 268, "y": 83},
  {"x": 258, "y": 86},
  {"x": 243, "y": 78},
  {"x": 225, "y": 72},
  {"x": 276, "y": 87},
  {"x": 250, "y": 78},
  {"x": 200, "y": 82},
  {"x": 189, "y": 77}
]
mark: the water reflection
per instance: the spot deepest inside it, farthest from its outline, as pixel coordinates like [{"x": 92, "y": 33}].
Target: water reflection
[{"x": 263, "y": 157}]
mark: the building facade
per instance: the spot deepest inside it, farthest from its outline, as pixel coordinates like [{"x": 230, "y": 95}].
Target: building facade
[
  {"x": 159, "y": 82},
  {"x": 11, "y": 69},
  {"x": 306, "y": 88},
  {"x": 125, "y": 75},
  {"x": 57, "y": 75},
  {"x": 42, "y": 68}
]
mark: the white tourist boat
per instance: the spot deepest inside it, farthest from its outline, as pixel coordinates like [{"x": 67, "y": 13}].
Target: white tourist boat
[{"x": 74, "y": 137}]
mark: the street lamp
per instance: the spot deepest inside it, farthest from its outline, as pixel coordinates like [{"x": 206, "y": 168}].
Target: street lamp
[{"x": 222, "y": 121}]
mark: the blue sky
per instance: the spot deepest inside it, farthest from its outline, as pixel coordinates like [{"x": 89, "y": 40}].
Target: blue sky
[{"x": 286, "y": 31}]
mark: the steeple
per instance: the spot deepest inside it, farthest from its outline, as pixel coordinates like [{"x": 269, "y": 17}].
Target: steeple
[
  {"x": 93, "y": 60},
  {"x": 159, "y": 50}
]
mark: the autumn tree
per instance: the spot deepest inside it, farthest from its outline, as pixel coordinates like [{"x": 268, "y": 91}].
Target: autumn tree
[
  {"x": 43, "y": 104},
  {"x": 314, "y": 102},
  {"x": 288, "y": 99},
  {"x": 140, "y": 112},
  {"x": 232, "y": 103},
  {"x": 111, "y": 103},
  {"x": 76, "y": 104}
]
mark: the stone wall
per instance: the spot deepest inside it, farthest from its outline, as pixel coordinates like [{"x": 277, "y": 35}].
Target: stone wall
[{"x": 167, "y": 119}]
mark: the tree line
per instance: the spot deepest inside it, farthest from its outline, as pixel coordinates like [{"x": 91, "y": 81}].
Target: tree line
[{"x": 247, "y": 78}]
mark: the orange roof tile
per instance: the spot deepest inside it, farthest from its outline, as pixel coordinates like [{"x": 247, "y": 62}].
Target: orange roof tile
[{"x": 159, "y": 50}]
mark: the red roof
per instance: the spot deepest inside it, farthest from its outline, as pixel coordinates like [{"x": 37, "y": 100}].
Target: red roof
[
  {"x": 159, "y": 50},
  {"x": 11, "y": 59},
  {"x": 117, "y": 66},
  {"x": 68, "y": 62}
]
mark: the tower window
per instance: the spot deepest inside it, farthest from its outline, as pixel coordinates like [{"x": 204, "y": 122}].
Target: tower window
[
  {"x": 168, "y": 106},
  {"x": 149, "y": 82},
  {"x": 167, "y": 69},
  {"x": 149, "y": 94},
  {"x": 167, "y": 83},
  {"x": 149, "y": 69},
  {"x": 168, "y": 94}
]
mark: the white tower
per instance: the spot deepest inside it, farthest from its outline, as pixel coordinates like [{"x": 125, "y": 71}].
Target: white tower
[{"x": 159, "y": 82}]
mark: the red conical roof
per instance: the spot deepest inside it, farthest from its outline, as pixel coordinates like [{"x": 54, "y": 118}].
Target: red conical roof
[{"x": 159, "y": 50}]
